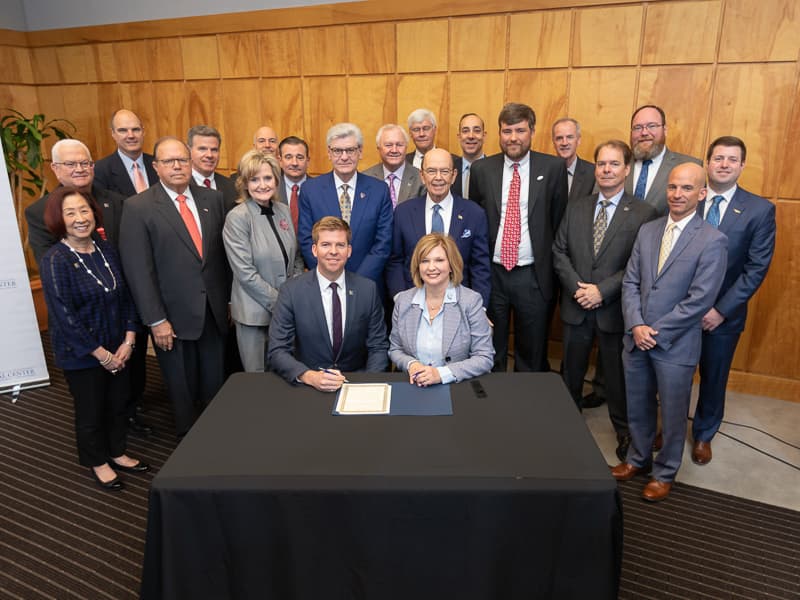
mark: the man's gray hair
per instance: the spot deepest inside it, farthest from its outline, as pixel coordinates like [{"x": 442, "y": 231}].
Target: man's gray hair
[
  {"x": 63, "y": 145},
  {"x": 566, "y": 120},
  {"x": 389, "y": 127},
  {"x": 420, "y": 115},
  {"x": 343, "y": 130}
]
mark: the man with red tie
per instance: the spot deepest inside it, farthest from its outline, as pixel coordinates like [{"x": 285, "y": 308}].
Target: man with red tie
[
  {"x": 174, "y": 262},
  {"x": 204, "y": 143},
  {"x": 524, "y": 194},
  {"x": 293, "y": 158}
]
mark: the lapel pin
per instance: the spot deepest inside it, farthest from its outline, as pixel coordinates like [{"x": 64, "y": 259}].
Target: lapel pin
[
  {"x": 737, "y": 211},
  {"x": 626, "y": 208},
  {"x": 205, "y": 210},
  {"x": 349, "y": 292},
  {"x": 540, "y": 177},
  {"x": 105, "y": 204},
  {"x": 460, "y": 217}
]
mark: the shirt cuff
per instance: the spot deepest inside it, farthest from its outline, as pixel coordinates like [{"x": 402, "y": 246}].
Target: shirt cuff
[{"x": 446, "y": 375}]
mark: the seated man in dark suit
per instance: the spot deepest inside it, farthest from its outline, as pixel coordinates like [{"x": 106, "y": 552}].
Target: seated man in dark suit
[
  {"x": 443, "y": 212},
  {"x": 127, "y": 171},
  {"x": 204, "y": 143},
  {"x": 327, "y": 321},
  {"x": 361, "y": 201}
]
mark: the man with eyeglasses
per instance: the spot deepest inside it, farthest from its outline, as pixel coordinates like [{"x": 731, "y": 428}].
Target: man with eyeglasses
[
  {"x": 471, "y": 135},
  {"x": 422, "y": 127},
  {"x": 175, "y": 264},
  {"x": 73, "y": 166},
  {"x": 654, "y": 161},
  {"x": 360, "y": 200},
  {"x": 749, "y": 222},
  {"x": 127, "y": 171},
  {"x": 402, "y": 178},
  {"x": 524, "y": 194},
  {"x": 443, "y": 212}
]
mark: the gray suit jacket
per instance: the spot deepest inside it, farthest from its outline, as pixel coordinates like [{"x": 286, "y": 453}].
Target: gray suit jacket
[
  {"x": 574, "y": 259},
  {"x": 583, "y": 182},
  {"x": 674, "y": 301},
  {"x": 257, "y": 261},
  {"x": 167, "y": 277},
  {"x": 657, "y": 194},
  {"x": 411, "y": 185},
  {"x": 466, "y": 336}
]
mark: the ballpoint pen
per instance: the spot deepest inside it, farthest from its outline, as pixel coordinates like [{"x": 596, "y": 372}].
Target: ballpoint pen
[{"x": 329, "y": 372}]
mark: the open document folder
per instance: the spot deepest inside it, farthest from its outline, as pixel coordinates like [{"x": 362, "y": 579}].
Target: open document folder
[{"x": 396, "y": 398}]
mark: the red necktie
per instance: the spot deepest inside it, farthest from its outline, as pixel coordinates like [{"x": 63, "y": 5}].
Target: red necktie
[
  {"x": 207, "y": 182},
  {"x": 138, "y": 179},
  {"x": 509, "y": 247},
  {"x": 191, "y": 224},
  {"x": 293, "y": 208}
]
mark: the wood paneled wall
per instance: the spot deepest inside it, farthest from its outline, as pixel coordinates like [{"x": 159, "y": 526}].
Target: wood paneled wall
[{"x": 716, "y": 66}]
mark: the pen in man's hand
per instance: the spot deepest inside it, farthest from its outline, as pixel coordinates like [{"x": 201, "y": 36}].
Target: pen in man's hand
[{"x": 332, "y": 373}]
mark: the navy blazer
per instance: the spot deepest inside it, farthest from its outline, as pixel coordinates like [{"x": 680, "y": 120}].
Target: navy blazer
[
  {"x": 370, "y": 222},
  {"x": 673, "y": 301},
  {"x": 749, "y": 223},
  {"x": 468, "y": 228},
  {"x": 110, "y": 174},
  {"x": 298, "y": 333}
]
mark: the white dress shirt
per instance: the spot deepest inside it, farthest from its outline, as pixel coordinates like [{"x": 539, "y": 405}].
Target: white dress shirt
[
  {"x": 723, "y": 205},
  {"x": 327, "y": 300},
  {"x": 199, "y": 179},
  {"x": 446, "y": 212}
]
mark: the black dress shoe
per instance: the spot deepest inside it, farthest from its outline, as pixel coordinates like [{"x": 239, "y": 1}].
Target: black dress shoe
[
  {"x": 593, "y": 401},
  {"x": 115, "y": 485},
  {"x": 136, "y": 425},
  {"x": 623, "y": 443},
  {"x": 139, "y": 467}
]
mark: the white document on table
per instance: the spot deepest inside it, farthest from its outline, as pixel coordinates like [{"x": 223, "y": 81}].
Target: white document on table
[{"x": 364, "y": 399}]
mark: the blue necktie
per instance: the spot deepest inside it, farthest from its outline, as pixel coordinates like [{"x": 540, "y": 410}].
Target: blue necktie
[
  {"x": 641, "y": 184},
  {"x": 713, "y": 212},
  {"x": 437, "y": 225}
]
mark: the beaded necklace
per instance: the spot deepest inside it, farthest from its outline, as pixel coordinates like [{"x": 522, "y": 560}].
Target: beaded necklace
[{"x": 89, "y": 271}]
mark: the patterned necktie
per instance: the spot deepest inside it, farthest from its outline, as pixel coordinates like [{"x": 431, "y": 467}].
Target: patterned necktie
[
  {"x": 600, "y": 225},
  {"x": 666, "y": 246},
  {"x": 293, "y": 205},
  {"x": 344, "y": 204},
  {"x": 713, "y": 213},
  {"x": 465, "y": 183},
  {"x": 437, "y": 224},
  {"x": 392, "y": 192},
  {"x": 641, "y": 184},
  {"x": 207, "y": 182},
  {"x": 138, "y": 179},
  {"x": 336, "y": 320},
  {"x": 191, "y": 224},
  {"x": 509, "y": 246}
]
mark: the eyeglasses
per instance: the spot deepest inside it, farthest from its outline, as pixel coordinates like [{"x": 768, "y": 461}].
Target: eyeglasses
[
  {"x": 443, "y": 172},
  {"x": 337, "y": 152},
  {"x": 424, "y": 128},
  {"x": 170, "y": 162},
  {"x": 649, "y": 126},
  {"x": 73, "y": 164}
]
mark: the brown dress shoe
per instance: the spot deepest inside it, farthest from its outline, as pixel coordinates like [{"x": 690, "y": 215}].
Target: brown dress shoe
[
  {"x": 656, "y": 490},
  {"x": 625, "y": 471},
  {"x": 701, "y": 453},
  {"x": 658, "y": 442}
]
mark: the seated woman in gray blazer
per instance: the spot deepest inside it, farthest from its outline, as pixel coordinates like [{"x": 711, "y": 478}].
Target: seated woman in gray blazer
[
  {"x": 261, "y": 245},
  {"x": 440, "y": 332}
]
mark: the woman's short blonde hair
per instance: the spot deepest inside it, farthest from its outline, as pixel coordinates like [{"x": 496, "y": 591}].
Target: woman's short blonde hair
[
  {"x": 250, "y": 165},
  {"x": 429, "y": 242}
]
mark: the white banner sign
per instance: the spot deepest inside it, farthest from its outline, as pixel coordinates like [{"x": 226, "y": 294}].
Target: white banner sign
[{"x": 22, "y": 363}]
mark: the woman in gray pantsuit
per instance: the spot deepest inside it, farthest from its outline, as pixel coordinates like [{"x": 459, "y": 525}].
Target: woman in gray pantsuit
[{"x": 262, "y": 250}]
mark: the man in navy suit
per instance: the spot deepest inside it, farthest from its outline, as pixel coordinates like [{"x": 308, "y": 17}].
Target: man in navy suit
[
  {"x": 327, "y": 320},
  {"x": 672, "y": 279},
  {"x": 749, "y": 222},
  {"x": 462, "y": 219},
  {"x": 524, "y": 194},
  {"x": 128, "y": 171},
  {"x": 361, "y": 201}
]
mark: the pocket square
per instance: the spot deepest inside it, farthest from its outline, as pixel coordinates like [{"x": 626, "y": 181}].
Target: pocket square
[{"x": 466, "y": 233}]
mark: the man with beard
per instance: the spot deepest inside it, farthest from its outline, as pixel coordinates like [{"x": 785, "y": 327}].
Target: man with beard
[
  {"x": 654, "y": 161},
  {"x": 524, "y": 194},
  {"x": 73, "y": 166},
  {"x": 402, "y": 178},
  {"x": 471, "y": 135}
]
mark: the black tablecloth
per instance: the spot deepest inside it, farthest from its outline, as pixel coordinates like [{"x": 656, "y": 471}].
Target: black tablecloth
[{"x": 271, "y": 496}]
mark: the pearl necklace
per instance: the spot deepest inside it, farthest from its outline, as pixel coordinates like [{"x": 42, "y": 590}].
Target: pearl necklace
[{"x": 89, "y": 271}]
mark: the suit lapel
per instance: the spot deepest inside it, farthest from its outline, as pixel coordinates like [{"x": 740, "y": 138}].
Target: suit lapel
[
  {"x": 359, "y": 202},
  {"x": 456, "y": 221},
  {"x": 734, "y": 211},
  {"x": 350, "y": 310},
  {"x": 533, "y": 186},
  {"x": 687, "y": 235},
  {"x": 318, "y": 311},
  {"x": 201, "y": 201},
  {"x": 450, "y": 326},
  {"x": 418, "y": 219},
  {"x": 621, "y": 214}
]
